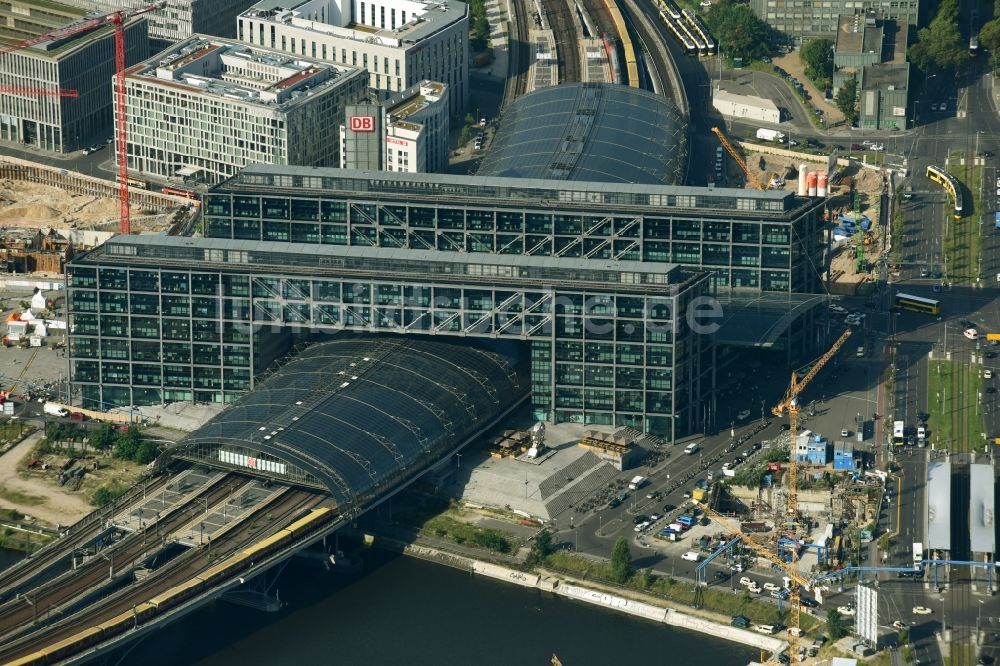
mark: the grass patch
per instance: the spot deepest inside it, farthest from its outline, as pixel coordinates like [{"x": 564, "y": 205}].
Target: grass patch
[
  {"x": 953, "y": 391},
  {"x": 24, "y": 541},
  {"x": 896, "y": 231},
  {"x": 17, "y": 497},
  {"x": 468, "y": 535},
  {"x": 963, "y": 240}
]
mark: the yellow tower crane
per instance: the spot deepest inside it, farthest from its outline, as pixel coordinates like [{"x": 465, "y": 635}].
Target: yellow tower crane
[
  {"x": 796, "y": 580},
  {"x": 751, "y": 178},
  {"x": 790, "y": 402}
]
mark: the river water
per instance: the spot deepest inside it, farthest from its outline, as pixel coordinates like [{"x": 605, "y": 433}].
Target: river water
[{"x": 410, "y": 612}]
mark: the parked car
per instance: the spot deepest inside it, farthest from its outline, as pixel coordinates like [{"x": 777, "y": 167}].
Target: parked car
[
  {"x": 743, "y": 414},
  {"x": 898, "y": 624},
  {"x": 641, "y": 526},
  {"x": 809, "y": 603},
  {"x": 771, "y": 587},
  {"x": 738, "y": 460},
  {"x": 837, "y": 308},
  {"x": 746, "y": 582},
  {"x": 922, "y": 610},
  {"x": 846, "y": 610}
]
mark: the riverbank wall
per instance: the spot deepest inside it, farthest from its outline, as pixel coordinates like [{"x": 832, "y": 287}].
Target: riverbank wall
[{"x": 580, "y": 592}]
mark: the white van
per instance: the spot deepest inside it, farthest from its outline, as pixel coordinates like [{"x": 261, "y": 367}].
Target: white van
[
  {"x": 691, "y": 556},
  {"x": 764, "y": 628},
  {"x": 691, "y": 448},
  {"x": 861, "y": 352}
]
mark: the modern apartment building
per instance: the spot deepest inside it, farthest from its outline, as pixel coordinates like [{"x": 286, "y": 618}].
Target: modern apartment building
[
  {"x": 178, "y": 19},
  {"x": 804, "y": 19},
  {"x": 160, "y": 318},
  {"x": 764, "y": 241},
  {"x": 399, "y": 42},
  {"x": 31, "y": 113},
  {"x": 207, "y": 107},
  {"x": 408, "y": 132}
]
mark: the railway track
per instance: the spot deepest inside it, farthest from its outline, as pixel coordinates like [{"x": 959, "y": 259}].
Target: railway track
[
  {"x": 69, "y": 586},
  {"x": 31, "y": 568},
  {"x": 520, "y": 54},
  {"x": 183, "y": 568},
  {"x": 567, "y": 42}
]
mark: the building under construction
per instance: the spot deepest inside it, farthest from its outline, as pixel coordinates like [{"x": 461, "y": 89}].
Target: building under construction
[{"x": 33, "y": 250}]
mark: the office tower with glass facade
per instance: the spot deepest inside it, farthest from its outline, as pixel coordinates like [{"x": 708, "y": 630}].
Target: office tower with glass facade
[
  {"x": 160, "y": 319},
  {"x": 768, "y": 241}
]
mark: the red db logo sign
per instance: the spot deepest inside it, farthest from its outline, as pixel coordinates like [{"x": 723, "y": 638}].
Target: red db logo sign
[{"x": 362, "y": 123}]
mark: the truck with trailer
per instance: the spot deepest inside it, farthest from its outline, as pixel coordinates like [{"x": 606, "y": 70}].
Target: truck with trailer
[
  {"x": 636, "y": 482},
  {"x": 775, "y": 136}
]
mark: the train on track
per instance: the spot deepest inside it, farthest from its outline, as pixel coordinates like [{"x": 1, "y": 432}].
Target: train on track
[
  {"x": 950, "y": 185},
  {"x": 687, "y": 29},
  {"x": 175, "y": 595},
  {"x": 631, "y": 62}
]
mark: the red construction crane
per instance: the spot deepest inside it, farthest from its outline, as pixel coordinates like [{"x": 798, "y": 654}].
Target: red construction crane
[
  {"x": 41, "y": 92},
  {"x": 117, "y": 20}
]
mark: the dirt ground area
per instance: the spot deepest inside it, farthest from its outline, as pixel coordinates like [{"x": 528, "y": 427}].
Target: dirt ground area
[
  {"x": 791, "y": 64},
  {"x": 35, "y": 205},
  {"x": 35, "y": 496},
  {"x": 29, "y": 482}
]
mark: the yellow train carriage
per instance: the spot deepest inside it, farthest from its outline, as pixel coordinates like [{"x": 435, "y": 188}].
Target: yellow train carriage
[{"x": 308, "y": 521}]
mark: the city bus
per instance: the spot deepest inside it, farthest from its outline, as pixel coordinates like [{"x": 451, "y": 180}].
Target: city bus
[
  {"x": 898, "y": 437},
  {"x": 917, "y": 304}
]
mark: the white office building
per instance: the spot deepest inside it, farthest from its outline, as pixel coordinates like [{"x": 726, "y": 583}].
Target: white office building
[
  {"x": 408, "y": 132},
  {"x": 207, "y": 107},
  {"x": 178, "y": 19},
  {"x": 57, "y": 94},
  {"x": 399, "y": 42}
]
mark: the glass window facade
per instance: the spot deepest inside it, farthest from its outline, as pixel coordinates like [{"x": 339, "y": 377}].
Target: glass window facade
[
  {"x": 608, "y": 345},
  {"x": 744, "y": 240}
]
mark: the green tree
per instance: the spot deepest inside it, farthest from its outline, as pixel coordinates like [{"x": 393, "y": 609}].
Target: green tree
[
  {"x": 939, "y": 46},
  {"x": 989, "y": 38},
  {"x": 847, "y": 101},
  {"x": 621, "y": 562},
  {"x": 146, "y": 452},
  {"x": 479, "y": 26},
  {"x": 540, "y": 547},
  {"x": 834, "y": 624},
  {"x": 102, "y": 438},
  {"x": 739, "y": 29},
  {"x": 817, "y": 56},
  {"x": 127, "y": 444}
]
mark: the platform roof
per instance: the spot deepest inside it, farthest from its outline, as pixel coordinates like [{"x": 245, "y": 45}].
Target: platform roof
[
  {"x": 758, "y": 319},
  {"x": 982, "y": 516},
  {"x": 939, "y": 506},
  {"x": 590, "y": 132},
  {"x": 362, "y": 414}
]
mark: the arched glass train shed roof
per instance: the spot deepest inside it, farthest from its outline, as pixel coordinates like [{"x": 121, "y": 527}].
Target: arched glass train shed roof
[
  {"x": 598, "y": 132},
  {"x": 359, "y": 415}
]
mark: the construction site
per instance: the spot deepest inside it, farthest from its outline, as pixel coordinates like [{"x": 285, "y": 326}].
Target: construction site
[
  {"x": 852, "y": 189},
  {"x": 40, "y": 196}
]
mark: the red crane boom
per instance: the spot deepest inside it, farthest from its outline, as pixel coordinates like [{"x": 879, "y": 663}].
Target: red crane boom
[{"x": 117, "y": 20}]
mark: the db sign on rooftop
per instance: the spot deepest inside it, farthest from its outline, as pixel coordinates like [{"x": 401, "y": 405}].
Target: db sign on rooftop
[{"x": 362, "y": 123}]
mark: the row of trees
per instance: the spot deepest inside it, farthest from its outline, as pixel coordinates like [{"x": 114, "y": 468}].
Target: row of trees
[
  {"x": 621, "y": 556},
  {"x": 479, "y": 26},
  {"x": 939, "y": 46},
  {"x": 125, "y": 444},
  {"x": 989, "y": 35},
  {"x": 742, "y": 32}
]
